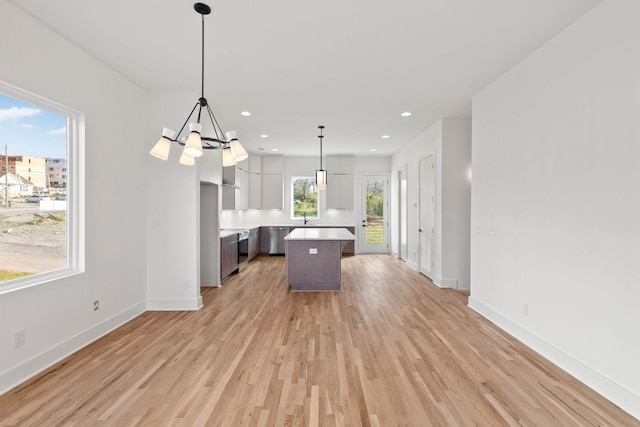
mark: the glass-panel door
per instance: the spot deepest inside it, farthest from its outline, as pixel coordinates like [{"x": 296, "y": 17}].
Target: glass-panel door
[{"x": 374, "y": 214}]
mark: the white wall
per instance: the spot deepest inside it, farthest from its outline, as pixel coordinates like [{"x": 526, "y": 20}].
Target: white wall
[
  {"x": 450, "y": 141},
  {"x": 173, "y": 211},
  {"x": 556, "y": 169},
  {"x": 58, "y": 316}
]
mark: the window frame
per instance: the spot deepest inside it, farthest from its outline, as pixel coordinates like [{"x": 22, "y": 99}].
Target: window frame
[
  {"x": 75, "y": 227},
  {"x": 293, "y": 178}
]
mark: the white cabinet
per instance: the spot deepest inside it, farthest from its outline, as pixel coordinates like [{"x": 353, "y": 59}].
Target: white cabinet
[
  {"x": 272, "y": 182},
  {"x": 235, "y": 187},
  {"x": 339, "y": 182},
  {"x": 255, "y": 164},
  {"x": 255, "y": 191},
  {"x": 339, "y": 165},
  {"x": 272, "y": 191},
  {"x": 242, "y": 193},
  {"x": 340, "y": 192},
  {"x": 272, "y": 165},
  {"x": 255, "y": 182}
]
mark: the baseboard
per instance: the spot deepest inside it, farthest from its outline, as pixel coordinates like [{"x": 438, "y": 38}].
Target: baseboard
[
  {"x": 616, "y": 393},
  {"x": 412, "y": 265},
  {"x": 174, "y": 304},
  {"x": 44, "y": 360},
  {"x": 445, "y": 283}
]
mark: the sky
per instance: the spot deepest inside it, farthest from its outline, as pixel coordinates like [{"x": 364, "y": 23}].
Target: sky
[{"x": 31, "y": 131}]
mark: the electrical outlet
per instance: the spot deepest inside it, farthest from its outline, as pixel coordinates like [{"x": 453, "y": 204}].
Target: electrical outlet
[
  {"x": 18, "y": 338},
  {"x": 313, "y": 251},
  {"x": 96, "y": 305},
  {"x": 525, "y": 309},
  {"x": 187, "y": 284}
]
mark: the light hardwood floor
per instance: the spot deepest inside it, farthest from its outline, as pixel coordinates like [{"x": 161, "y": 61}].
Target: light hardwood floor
[{"x": 391, "y": 349}]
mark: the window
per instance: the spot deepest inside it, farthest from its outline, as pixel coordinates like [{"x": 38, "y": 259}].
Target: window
[
  {"x": 304, "y": 197},
  {"x": 33, "y": 218}
]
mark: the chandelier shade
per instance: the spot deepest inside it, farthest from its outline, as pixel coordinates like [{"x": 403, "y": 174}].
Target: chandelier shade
[
  {"x": 227, "y": 158},
  {"x": 196, "y": 143},
  {"x": 162, "y": 147},
  {"x": 321, "y": 174}
]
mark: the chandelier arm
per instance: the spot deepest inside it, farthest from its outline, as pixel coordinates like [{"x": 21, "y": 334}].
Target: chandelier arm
[
  {"x": 216, "y": 125},
  {"x": 185, "y": 122}
]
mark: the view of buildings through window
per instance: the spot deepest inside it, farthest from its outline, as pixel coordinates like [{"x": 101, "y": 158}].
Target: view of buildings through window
[{"x": 33, "y": 189}]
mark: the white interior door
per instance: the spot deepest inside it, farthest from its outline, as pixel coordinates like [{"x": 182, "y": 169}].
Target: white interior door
[
  {"x": 427, "y": 213},
  {"x": 374, "y": 225}
]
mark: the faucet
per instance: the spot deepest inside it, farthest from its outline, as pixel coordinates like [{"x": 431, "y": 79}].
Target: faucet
[{"x": 304, "y": 215}]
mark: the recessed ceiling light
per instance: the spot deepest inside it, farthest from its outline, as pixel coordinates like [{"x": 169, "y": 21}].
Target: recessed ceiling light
[
  {"x": 264, "y": 136},
  {"x": 246, "y": 113},
  {"x": 405, "y": 114},
  {"x": 274, "y": 149},
  {"x": 373, "y": 150},
  {"x": 385, "y": 136}
]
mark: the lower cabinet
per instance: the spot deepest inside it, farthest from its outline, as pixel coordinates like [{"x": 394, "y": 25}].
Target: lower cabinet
[
  {"x": 228, "y": 255},
  {"x": 254, "y": 242}
]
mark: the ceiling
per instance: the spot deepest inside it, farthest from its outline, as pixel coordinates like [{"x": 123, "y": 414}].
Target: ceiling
[{"x": 353, "y": 66}]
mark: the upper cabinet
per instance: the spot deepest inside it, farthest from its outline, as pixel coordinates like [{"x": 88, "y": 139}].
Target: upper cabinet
[
  {"x": 339, "y": 182},
  {"x": 273, "y": 165},
  {"x": 272, "y": 182},
  {"x": 235, "y": 186},
  {"x": 256, "y": 183},
  {"x": 339, "y": 165}
]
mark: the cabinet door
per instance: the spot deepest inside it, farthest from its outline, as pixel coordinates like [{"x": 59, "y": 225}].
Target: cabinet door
[
  {"x": 340, "y": 192},
  {"x": 273, "y": 165},
  {"x": 254, "y": 243},
  {"x": 339, "y": 164},
  {"x": 272, "y": 191},
  {"x": 228, "y": 198},
  {"x": 255, "y": 164},
  {"x": 333, "y": 192},
  {"x": 242, "y": 194},
  {"x": 255, "y": 191},
  {"x": 228, "y": 256},
  {"x": 346, "y": 192}
]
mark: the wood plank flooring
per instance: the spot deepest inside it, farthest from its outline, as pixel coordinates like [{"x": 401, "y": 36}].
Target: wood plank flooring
[{"x": 391, "y": 349}]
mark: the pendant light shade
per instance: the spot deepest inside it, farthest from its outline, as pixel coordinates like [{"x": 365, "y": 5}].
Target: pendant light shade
[
  {"x": 196, "y": 143},
  {"x": 193, "y": 147},
  {"x": 238, "y": 152},
  {"x": 163, "y": 146},
  {"x": 186, "y": 159},
  {"x": 321, "y": 179},
  {"x": 321, "y": 174},
  {"x": 227, "y": 158}
]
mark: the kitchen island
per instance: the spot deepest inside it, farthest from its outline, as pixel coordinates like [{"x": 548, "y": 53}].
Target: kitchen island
[{"x": 313, "y": 258}]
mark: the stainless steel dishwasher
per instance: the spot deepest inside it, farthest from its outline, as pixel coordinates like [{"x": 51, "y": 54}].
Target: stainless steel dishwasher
[{"x": 276, "y": 240}]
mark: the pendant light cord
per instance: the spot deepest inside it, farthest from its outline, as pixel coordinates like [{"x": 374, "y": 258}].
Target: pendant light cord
[{"x": 321, "y": 127}]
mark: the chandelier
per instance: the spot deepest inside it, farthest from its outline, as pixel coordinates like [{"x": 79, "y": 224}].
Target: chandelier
[{"x": 195, "y": 143}]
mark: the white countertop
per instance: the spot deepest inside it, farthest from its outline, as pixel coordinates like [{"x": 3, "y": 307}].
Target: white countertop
[{"x": 308, "y": 233}]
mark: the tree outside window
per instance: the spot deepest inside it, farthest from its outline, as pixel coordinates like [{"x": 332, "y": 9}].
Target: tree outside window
[{"x": 304, "y": 197}]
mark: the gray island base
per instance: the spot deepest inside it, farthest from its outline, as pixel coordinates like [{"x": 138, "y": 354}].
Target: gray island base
[{"x": 313, "y": 257}]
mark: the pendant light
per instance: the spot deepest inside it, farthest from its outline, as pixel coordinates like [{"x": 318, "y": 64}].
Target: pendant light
[
  {"x": 321, "y": 174},
  {"x": 194, "y": 145}
]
